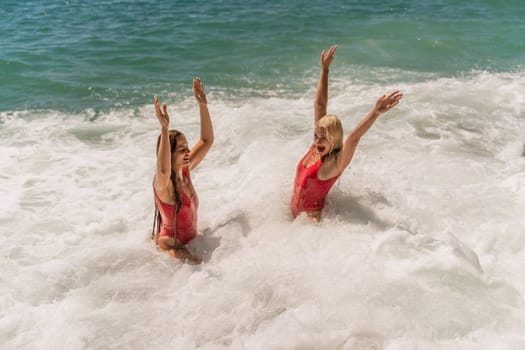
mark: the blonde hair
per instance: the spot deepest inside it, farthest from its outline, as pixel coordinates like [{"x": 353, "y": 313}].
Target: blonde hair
[{"x": 334, "y": 132}]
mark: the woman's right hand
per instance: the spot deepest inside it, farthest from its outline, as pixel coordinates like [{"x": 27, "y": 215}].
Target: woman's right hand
[
  {"x": 162, "y": 114},
  {"x": 327, "y": 57}
]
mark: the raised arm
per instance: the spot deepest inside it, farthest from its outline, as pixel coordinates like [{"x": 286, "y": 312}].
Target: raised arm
[
  {"x": 201, "y": 148},
  {"x": 383, "y": 104},
  {"x": 163, "y": 171},
  {"x": 321, "y": 96}
]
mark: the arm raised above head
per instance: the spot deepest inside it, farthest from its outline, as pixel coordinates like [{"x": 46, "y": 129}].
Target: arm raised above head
[
  {"x": 321, "y": 95},
  {"x": 201, "y": 148},
  {"x": 383, "y": 104},
  {"x": 163, "y": 170}
]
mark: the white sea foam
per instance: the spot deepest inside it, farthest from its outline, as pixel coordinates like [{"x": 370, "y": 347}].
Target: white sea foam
[{"x": 421, "y": 246}]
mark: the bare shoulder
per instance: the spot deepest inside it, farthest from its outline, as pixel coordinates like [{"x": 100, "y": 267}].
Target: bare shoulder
[
  {"x": 161, "y": 184},
  {"x": 329, "y": 170},
  {"x": 164, "y": 191}
]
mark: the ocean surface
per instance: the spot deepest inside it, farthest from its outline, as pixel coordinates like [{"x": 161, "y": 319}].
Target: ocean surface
[{"x": 422, "y": 244}]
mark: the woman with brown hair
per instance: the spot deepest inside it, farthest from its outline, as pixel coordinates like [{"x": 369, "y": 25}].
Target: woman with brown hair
[
  {"x": 176, "y": 202},
  {"x": 329, "y": 156}
]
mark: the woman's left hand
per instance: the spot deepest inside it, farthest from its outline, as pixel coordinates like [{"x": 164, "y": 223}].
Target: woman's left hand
[
  {"x": 198, "y": 90},
  {"x": 385, "y": 103}
]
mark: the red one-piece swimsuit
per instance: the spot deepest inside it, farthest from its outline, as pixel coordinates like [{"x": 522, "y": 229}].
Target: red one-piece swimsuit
[
  {"x": 309, "y": 191},
  {"x": 186, "y": 217}
]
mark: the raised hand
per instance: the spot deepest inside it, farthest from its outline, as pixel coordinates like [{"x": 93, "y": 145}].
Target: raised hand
[
  {"x": 198, "y": 90},
  {"x": 385, "y": 103},
  {"x": 327, "y": 57},
  {"x": 162, "y": 114}
]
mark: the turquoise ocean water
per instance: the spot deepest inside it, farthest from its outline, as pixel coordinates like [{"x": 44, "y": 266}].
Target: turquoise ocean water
[
  {"x": 422, "y": 241},
  {"x": 75, "y": 55}
]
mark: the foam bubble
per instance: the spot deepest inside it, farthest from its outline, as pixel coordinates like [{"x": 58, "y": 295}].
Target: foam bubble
[{"x": 419, "y": 247}]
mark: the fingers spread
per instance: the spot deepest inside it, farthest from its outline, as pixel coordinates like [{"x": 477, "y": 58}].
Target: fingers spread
[{"x": 394, "y": 93}]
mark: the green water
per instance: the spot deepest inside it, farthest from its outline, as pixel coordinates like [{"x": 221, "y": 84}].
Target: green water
[{"x": 74, "y": 55}]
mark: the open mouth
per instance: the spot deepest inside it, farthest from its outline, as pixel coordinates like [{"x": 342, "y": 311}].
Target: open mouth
[{"x": 320, "y": 149}]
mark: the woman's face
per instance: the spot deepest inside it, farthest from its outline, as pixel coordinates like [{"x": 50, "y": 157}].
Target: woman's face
[
  {"x": 181, "y": 154},
  {"x": 322, "y": 145}
]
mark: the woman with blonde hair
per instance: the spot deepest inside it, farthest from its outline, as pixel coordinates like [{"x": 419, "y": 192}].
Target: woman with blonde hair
[
  {"x": 176, "y": 201},
  {"x": 329, "y": 156}
]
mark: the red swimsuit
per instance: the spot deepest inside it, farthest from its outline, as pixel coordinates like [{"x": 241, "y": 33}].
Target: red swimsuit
[
  {"x": 186, "y": 218},
  {"x": 309, "y": 191}
]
